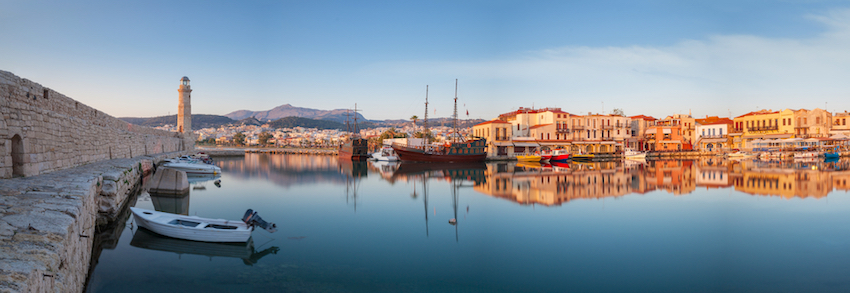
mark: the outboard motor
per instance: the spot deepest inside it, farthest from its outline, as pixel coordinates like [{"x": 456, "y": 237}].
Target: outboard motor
[{"x": 252, "y": 219}]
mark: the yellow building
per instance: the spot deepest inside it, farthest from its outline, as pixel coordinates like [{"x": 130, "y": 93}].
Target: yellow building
[
  {"x": 763, "y": 124},
  {"x": 498, "y": 135}
]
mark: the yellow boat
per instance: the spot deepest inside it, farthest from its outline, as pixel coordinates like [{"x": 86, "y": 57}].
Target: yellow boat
[{"x": 528, "y": 158}]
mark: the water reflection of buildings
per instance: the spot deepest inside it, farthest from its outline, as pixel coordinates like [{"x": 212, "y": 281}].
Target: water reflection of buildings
[
  {"x": 553, "y": 185},
  {"x": 284, "y": 170}
]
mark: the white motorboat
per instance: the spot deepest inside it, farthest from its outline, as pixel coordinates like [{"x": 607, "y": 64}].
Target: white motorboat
[
  {"x": 200, "y": 229},
  {"x": 385, "y": 154},
  {"x": 634, "y": 155},
  {"x": 191, "y": 167},
  {"x": 740, "y": 154}
]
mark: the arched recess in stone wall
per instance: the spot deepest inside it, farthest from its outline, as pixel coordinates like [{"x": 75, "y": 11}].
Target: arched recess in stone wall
[{"x": 17, "y": 156}]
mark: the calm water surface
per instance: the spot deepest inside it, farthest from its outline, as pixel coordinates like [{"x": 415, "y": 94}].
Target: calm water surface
[{"x": 663, "y": 226}]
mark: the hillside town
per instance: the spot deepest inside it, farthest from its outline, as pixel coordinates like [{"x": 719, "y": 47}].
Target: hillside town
[{"x": 537, "y": 129}]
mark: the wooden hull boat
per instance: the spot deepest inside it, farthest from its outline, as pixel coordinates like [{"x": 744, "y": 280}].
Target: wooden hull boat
[
  {"x": 197, "y": 228},
  {"x": 468, "y": 151},
  {"x": 354, "y": 149}
]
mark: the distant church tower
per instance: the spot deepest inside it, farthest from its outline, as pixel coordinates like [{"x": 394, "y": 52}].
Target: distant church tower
[{"x": 184, "y": 109}]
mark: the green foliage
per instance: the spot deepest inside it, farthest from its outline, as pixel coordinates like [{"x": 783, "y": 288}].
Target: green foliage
[
  {"x": 264, "y": 138},
  {"x": 390, "y": 133},
  {"x": 618, "y": 112},
  {"x": 239, "y": 138}
]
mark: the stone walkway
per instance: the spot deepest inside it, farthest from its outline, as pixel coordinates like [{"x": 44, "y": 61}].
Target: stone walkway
[{"x": 47, "y": 222}]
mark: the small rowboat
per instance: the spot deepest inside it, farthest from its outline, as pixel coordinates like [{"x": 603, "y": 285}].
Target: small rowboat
[{"x": 200, "y": 229}]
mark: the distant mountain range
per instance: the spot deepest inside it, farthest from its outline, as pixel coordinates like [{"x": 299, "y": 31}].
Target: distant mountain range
[
  {"x": 338, "y": 115},
  {"x": 198, "y": 121},
  {"x": 289, "y": 116}
]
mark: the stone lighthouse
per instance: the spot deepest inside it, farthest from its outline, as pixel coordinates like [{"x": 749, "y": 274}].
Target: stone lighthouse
[{"x": 184, "y": 109}]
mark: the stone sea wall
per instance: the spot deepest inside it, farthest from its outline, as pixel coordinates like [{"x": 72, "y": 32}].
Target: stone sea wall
[
  {"x": 65, "y": 168},
  {"x": 48, "y": 222},
  {"x": 43, "y": 131}
]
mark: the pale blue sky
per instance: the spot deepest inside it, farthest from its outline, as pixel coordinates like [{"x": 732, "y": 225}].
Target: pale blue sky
[{"x": 648, "y": 57}]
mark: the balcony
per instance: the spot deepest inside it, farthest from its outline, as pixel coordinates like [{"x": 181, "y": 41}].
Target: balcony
[
  {"x": 763, "y": 128},
  {"x": 800, "y": 126},
  {"x": 578, "y": 127},
  {"x": 562, "y": 130},
  {"x": 608, "y": 138},
  {"x": 713, "y": 136},
  {"x": 607, "y": 127}
]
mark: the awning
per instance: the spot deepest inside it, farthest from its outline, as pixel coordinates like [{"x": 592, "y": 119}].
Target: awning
[
  {"x": 555, "y": 143},
  {"x": 502, "y": 143},
  {"x": 526, "y": 144},
  {"x": 667, "y": 131},
  {"x": 669, "y": 141},
  {"x": 712, "y": 140},
  {"x": 650, "y": 131},
  {"x": 787, "y": 135}
]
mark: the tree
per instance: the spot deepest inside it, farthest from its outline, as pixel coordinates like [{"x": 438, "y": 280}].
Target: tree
[
  {"x": 390, "y": 133},
  {"x": 414, "y": 118},
  {"x": 264, "y": 138},
  {"x": 239, "y": 139},
  {"x": 618, "y": 112}
]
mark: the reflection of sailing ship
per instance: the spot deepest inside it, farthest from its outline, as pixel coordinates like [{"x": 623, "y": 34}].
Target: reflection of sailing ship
[
  {"x": 353, "y": 171},
  {"x": 354, "y": 168},
  {"x": 472, "y": 171},
  {"x": 143, "y": 238}
]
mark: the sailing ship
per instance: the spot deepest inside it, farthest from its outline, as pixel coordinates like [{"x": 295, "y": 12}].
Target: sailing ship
[
  {"x": 455, "y": 149},
  {"x": 355, "y": 148}
]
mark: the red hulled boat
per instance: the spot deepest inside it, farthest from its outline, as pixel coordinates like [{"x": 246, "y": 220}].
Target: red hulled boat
[{"x": 467, "y": 151}]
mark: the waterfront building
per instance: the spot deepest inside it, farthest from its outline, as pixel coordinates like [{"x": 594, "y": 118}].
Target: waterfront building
[
  {"x": 639, "y": 125},
  {"x": 775, "y": 125},
  {"x": 839, "y": 124},
  {"x": 713, "y": 136},
  {"x": 762, "y": 125},
  {"x": 498, "y": 134},
  {"x": 602, "y": 133},
  {"x": 552, "y": 128},
  {"x": 812, "y": 123},
  {"x": 666, "y": 135}
]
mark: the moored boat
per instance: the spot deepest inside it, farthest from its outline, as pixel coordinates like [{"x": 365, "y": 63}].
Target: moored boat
[
  {"x": 559, "y": 155},
  {"x": 191, "y": 167},
  {"x": 582, "y": 156},
  {"x": 455, "y": 149},
  {"x": 386, "y": 153},
  {"x": 200, "y": 229},
  {"x": 634, "y": 154},
  {"x": 529, "y": 158},
  {"x": 466, "y": 151}
]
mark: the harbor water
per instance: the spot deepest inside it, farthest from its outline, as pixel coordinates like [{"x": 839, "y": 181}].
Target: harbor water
[{"x": 703, "y": 225}]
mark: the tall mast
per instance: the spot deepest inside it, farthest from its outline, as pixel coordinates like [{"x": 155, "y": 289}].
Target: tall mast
[
  {"x": 454, "y": 116},
  {"x": 425, "y": 130},
  {"x": 356, "y": 129}
]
